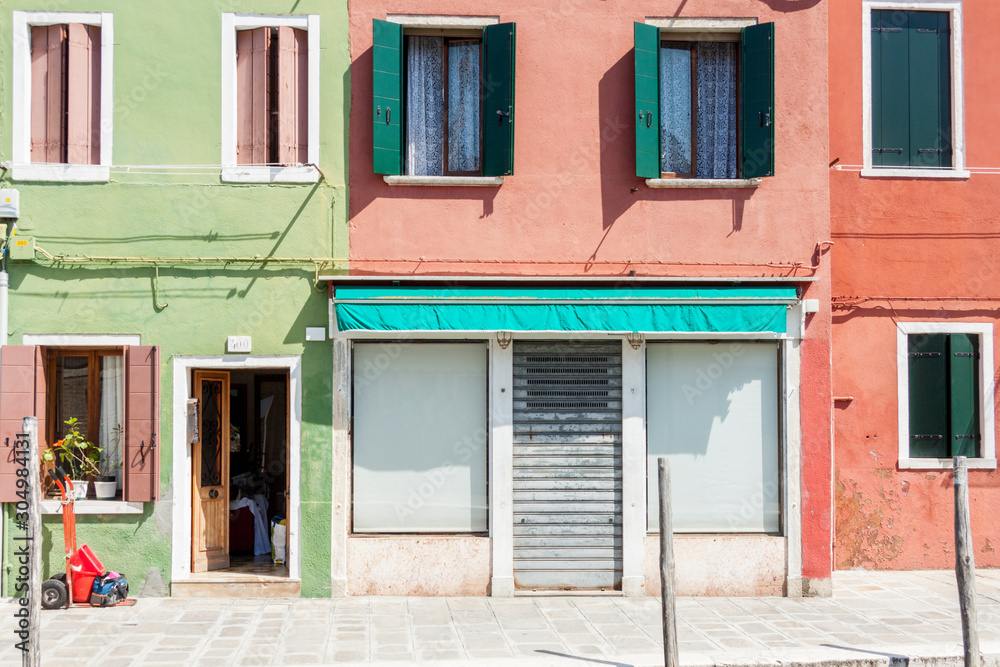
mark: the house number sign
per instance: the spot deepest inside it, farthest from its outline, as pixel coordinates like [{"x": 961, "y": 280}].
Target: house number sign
[{"x": 238, "y": 344}]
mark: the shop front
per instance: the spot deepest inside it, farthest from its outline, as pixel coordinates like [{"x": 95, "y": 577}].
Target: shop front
[{"x": 502, "y": 439}]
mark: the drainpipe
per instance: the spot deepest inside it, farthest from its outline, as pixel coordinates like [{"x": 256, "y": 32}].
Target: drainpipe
[{"x": 4, "y": 282}]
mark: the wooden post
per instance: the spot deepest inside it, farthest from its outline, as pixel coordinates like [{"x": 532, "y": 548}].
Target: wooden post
[
  {"x": 34, "y": 533},
  {"x": 965, "y": 564},
  {"x": 667, "y": 584}
]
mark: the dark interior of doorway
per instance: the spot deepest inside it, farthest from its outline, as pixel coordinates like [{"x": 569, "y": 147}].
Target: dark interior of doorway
[{"x": 258, "y": 464}]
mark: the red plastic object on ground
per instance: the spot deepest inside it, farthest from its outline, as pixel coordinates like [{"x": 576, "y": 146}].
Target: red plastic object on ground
[{"x": 85, "y": 565}]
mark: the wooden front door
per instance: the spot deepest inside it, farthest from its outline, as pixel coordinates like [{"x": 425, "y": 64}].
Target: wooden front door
[{"x": 210, "y": 476}]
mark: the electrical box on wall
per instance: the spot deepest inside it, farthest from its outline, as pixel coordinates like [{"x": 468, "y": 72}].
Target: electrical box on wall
[
  {"x": 10, "y": 204},
  {"x": 21, "y": 247}
]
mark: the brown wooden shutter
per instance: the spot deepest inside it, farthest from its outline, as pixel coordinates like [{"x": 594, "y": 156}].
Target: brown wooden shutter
[
  {"x": 142, "y": 423},
  {"x": 83, "y": 97},
  {"x": 252, "y": 95},
  {"x": 22, "y": 394},
  {"x": 293, "y": 96},
  {"x": 48, "y": 108}
]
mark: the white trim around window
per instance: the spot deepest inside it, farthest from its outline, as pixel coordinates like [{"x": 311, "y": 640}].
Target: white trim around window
[
  {"x": 987, "y": 388},
  {"x": 23, "y": 169},
  {"x": 954, "y": 8},
  {"x": 244, "y": 173}
]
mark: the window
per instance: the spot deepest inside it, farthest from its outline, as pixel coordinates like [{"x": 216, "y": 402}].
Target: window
[
  {"x": 946, "y": 387},
  {"x": 270, "y": 98},
  {"x": 111, "y": 387},
  {"x": 89, "y": 386},
  {"x": 704, "y": 99},
  {"x": 713, "y": 410},
  {"x": 913, "y": 78},
  {"x": 62, "y": 91},
  {"x": 443, "y": 100},
  {"x": 420, "y": 437}
]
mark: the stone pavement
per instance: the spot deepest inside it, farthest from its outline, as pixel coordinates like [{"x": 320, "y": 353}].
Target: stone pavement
[{"x": 873, "y": 619}]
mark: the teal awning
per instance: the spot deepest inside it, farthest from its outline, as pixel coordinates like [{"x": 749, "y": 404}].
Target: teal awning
[{"x": 605, "y": 309}]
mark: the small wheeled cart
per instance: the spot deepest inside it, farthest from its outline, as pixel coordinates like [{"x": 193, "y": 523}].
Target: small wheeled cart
[{"x": 77, "y": 584}]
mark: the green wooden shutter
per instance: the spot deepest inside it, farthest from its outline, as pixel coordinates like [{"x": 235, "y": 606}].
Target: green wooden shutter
[
  {"x": 928, "y": 392},
  {"x": 757, "y": 100},
  {"x": 387, "y": 97},
  {"x": 964, "y": 395},
  {"x": 647, "y": 101},
  {"x": 890, "y": 88},
  {"x": 498, "y": 99},
  {"x": 930, "y": 89}
]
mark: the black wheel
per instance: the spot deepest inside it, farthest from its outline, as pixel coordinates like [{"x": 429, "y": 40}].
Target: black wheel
[{"x": 54, "y": 594}]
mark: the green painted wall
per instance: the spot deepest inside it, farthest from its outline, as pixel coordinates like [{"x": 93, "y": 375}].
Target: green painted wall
[{"x": 167, "y": 82}]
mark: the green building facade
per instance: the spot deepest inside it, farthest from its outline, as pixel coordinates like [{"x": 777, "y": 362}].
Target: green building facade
[{"x": 165, "y": 240}]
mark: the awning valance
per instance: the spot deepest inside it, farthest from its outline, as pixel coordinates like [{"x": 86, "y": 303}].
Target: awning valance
[{"x": 604, "y": 309}]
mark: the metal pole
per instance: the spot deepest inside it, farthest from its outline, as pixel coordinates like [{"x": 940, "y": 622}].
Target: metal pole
[
  {"x": 34, "y": 544},
  {"x": 965, "y": 564},
  {"x": 667, "y": 584}
]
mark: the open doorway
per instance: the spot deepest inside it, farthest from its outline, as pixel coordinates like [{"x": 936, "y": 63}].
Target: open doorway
[{"x": 240, "y": 472}]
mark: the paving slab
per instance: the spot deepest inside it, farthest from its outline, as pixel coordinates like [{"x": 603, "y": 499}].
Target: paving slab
[{"x": 874, "y": 619}]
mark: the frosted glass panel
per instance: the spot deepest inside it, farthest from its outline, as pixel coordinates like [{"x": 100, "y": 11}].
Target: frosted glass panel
[
  {"x": 420, "y": 434},
  {"x": 713, "y": 409}
]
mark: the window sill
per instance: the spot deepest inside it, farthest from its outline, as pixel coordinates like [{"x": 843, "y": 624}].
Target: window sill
[
  {"x": 723, "y": 183},
  {"x": 265, "y": 174},
  {"x": 872, "y": 172},
  {"x": 945, "y": 464},
  {"x": 94, "y": 507},
  {"x": 447, "y": 181},
  {"x": 61, "y": 173}
]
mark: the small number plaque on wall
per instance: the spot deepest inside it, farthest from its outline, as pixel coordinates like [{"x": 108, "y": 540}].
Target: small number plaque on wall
[{"x": 238, "y": 344}]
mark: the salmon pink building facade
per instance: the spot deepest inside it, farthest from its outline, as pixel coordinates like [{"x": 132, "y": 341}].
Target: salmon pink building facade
[
  {"x": 582, "y": 236},
  {"x": 914, "y": 200}
]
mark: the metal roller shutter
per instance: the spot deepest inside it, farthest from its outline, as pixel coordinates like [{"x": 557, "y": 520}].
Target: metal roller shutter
[{"x": 567, "y": 465}]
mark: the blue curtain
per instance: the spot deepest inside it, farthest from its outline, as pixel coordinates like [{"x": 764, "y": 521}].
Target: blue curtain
[{"x": 716, "y": 81}]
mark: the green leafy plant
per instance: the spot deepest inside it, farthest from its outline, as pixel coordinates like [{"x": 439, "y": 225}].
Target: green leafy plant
[{"x": 74, "y": 454}]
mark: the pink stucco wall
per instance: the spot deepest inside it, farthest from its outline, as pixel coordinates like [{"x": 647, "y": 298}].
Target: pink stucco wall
[
  {"x": 915, "y": 240},
  {"x": 574, "y": 207}
]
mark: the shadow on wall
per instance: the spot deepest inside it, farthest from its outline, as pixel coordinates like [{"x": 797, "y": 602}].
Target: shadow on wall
[
  {"x": 791, "y": 5},
  {"x": 620, "y": 188},
  {"x": 367, "y": 186}
]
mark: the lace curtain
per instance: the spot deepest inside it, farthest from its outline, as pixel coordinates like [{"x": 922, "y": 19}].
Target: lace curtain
[
  {"x": 715, "y": 112},
  {"x": 716, "y": 79},
  {"x": 424, "y": 106},
  {"x": 110, "y": 437},
  {"x": 675, "y": 109},
  {"x": 463, "y": 106},
  {"x": 425, "y": 94}
]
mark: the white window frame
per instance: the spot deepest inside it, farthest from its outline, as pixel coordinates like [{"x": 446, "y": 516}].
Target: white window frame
[
  {"x": 22, "y": 168},
  {"x": 986, "y": 390},
  {"x": 709, "y": 27},
  {"x": 246, "y": 173},
  {"x": 954, "y": 9},
  {"x": 444, "y": 23},
  {"x": 69, "y": 341}
]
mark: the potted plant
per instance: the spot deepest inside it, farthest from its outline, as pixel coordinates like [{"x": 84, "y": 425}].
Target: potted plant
[
  {"x": 106, "y": 483},
  {"x": 77, "y": 457}
]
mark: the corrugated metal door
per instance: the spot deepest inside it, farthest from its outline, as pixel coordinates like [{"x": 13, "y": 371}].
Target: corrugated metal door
[{"x": 567, "y": 465}]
